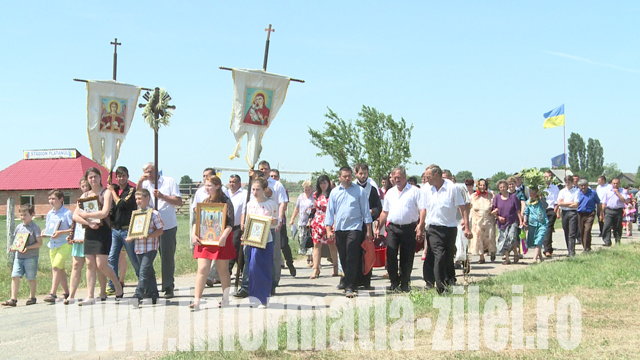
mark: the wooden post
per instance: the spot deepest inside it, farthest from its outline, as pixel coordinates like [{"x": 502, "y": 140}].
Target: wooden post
[{"x": 10, "y": 228}]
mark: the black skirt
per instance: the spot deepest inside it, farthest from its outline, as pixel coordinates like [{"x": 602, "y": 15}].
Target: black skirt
[{"x": 97, "y": 242}]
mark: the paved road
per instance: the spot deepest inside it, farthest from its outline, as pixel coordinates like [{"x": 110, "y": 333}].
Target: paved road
[{"x": 29, "y": 332}]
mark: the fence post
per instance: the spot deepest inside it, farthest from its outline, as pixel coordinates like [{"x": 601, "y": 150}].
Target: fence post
[{"x": 10, "y": 228}]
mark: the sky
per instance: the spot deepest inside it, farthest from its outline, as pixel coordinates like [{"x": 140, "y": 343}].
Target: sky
[{"x": 473, "y": 77}]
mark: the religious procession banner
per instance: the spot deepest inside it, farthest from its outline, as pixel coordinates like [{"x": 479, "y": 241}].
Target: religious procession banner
[
  {"x": 258, "y": 95},
  {"x": 110, "y": 109}
]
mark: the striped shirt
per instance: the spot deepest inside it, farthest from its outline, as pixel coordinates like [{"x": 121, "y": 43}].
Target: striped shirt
[{"x": 150, "y": 243}]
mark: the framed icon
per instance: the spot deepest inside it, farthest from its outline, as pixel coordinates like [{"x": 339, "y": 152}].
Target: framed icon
[
  {"x": 77, "y": 232},
  {"x": 140, "y": 222},
  {"x": 52, "y": 227},
  {"x": 90, "y": 204},
  {"x": 20, "y": 241},
  {"x": 210, "y": 222},
  {"x": 257, "y": 230}
]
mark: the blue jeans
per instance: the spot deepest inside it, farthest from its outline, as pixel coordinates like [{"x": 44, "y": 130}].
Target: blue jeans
[
  {"x": 147, "y": 284},
  {"x": 117, "y": 242}
]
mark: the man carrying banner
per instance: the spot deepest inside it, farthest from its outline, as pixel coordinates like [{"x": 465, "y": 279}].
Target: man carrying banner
[{"x": 168, "y": 196}]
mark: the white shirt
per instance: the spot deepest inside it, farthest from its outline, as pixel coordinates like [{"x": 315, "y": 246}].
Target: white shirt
[
  {"x": 201, "y": 195},
  {"x": 552, "y": 197},
  {"x": 602, "y": 189},
  {"x": 403, "y": 207},
  {"x": 442, "y": 205},
  {"x": 239, "y": 199},
  {"x": 167, "y": 186},
  {"x": 567, "y": 195},
  {"x": 279, "y": 194}
]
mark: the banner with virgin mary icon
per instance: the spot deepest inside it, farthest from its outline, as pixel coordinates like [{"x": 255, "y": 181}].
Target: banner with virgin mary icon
[
  {"x": 110, "y": 109},
  {"x": 258, "y": 95}
]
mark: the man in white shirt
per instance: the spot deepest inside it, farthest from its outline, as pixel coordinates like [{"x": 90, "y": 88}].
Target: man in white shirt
[
  {"x": 279, "y": 196},
  {"x": 612, "y": 204},
  {"x": 442, "y": 201},
  {"x": 168, "y": 196},
  {"x": 404, "y": 209},
  {"x": 238, "y": 197},
  {"x": 568, "y": 200},
  {"x": 552, "y": 210},
  {"x": 601, "y": 189}
]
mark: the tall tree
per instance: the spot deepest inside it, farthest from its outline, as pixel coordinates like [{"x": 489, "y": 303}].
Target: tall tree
[
  {"x": 186, "y": 180},
  {"x": 595, "y": 159},
  {"x": 577, "y": 153},
  {"x": 374, "y": 138},
  {"x": 462, "y": 175}
]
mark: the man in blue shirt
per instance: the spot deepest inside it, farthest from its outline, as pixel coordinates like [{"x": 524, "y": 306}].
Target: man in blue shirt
[
  {"x": 587, "y": 205},
  {"x": 347, "y": 210}
]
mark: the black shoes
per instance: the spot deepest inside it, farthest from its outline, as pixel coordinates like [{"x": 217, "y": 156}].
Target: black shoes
[{"x": 241, "y": 294}]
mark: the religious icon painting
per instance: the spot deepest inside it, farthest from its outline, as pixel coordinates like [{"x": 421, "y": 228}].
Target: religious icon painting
[
  {"x": 20, "y": 241},
  {"x": 140, "y": 223},
  {"x": 77, "y": 232},
  {"x": 113, "y": 114},
  {"x": 258, "y": 230},
  {"x": 90, "y": 204},
  {"x": 257, "y": 106},
  {"x": 51, "y": 227},
  {"x": 211, "y": 221}
]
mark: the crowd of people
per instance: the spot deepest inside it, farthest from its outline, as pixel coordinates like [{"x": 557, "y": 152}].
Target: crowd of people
[{"x": 435, "y": 216}]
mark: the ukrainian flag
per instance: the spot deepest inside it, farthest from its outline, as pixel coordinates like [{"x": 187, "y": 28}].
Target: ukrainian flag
[{"x": 554, "y": 117}]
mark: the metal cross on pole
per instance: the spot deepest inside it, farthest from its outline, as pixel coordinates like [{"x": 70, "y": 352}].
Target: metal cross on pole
[
  {"x": 115, "y": 44},
  {"x": 266, "y": 47}
]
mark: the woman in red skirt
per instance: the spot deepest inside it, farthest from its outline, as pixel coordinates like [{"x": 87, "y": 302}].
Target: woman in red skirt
[{"x": 222, "y": 253}]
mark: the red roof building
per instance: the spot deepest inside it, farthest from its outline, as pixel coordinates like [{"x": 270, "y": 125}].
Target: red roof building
[{"x": 30, "y": 180}]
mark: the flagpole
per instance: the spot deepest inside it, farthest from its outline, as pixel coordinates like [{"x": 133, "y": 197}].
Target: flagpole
[{"x": 564, "y": 143}]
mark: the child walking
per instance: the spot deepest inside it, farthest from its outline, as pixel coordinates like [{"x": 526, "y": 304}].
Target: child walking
[
  {"x": 146, "y": 248},
  {"x": 26, "y": 261},
  {"x": 535, "y": 219}
]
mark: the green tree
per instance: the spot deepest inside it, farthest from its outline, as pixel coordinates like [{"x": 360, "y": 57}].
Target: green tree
[
  {"x": 595, "y": 159},
  {"x": 611, "y": 170},
  {"x": 374, "y": 138},
  {"x": 186, "y": 180},
  {"x": 462, "y": 175},
  {"x": 493, "y": 183},
  {"x": 577, "y": 153}
]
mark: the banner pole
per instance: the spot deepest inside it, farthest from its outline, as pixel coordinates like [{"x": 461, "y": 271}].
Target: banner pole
[{"x": 564, "y": 143}]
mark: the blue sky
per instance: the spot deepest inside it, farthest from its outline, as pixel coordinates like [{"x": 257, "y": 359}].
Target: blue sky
[{"x": 474, "y": 77}]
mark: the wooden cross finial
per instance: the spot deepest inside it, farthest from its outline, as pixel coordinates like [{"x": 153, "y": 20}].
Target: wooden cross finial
[
  {"x": 269, "y": 31},
  {"x": 115, "y": 44}
]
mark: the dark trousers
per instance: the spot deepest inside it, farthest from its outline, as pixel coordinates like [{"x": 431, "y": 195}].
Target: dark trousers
[
  {"x": 600, "y": 222},
  {"x": 350, "y": 252},
  {"x": 570, "y": 227},
  {"x": 284, "y": 246},
  {"x": 400, "y": 238},
  {"x": 147, "y": 284},
  {"x": 438, "y": 268},
  {"x": 168, "y": 257},
  {"x": 612, "y": 221},
  {"x": 585, "y": 223},
  {"x": 548, "y": 237},
  {"x": 237, "y": 237},
  {"x": 361, "y": 279}
]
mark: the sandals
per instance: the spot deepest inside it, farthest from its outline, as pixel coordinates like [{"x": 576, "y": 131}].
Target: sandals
[
  {"x": 31, "y": 301},
  {"x": 194, "y": 307},
  {"x": 50, "y": 298},
  {"x": 10, "y": 302},
  {"x": 87, "y": 302},
  {"x": 493, "y": 257},
  {"x": 481, "y": 261}
]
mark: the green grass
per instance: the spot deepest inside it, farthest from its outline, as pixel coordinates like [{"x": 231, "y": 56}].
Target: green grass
[
  {"x": 184, "y": 259},
  {"x": 607, "y": 284}
]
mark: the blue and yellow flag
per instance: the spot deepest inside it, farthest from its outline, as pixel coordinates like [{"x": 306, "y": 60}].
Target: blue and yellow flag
[
  {"x": 558, "y": 161},
  {"x": 554, "y": 117}
]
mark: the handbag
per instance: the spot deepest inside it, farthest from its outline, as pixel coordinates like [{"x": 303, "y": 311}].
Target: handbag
[{"x": 308, "y": 240}]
